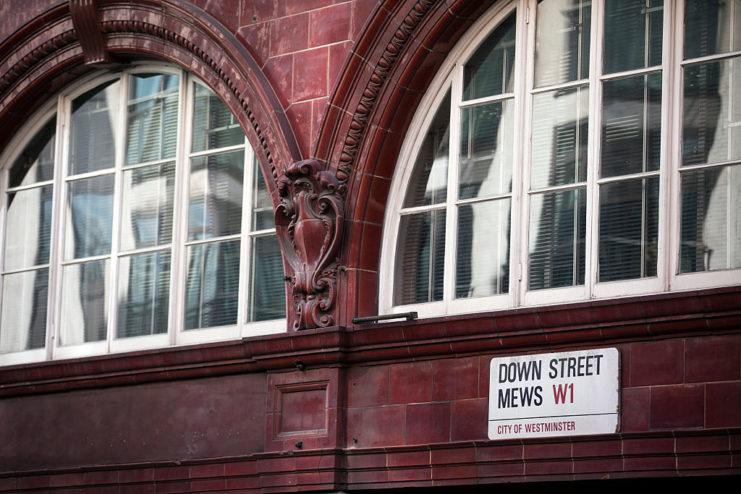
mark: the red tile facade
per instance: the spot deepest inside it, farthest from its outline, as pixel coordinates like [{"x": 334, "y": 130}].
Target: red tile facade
[{"x": 352, "y": 406}]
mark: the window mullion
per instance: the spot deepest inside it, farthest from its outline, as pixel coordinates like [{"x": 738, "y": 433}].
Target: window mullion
[
  {"x": 594, "y": 144},
  {"x": 245, "y": 247},
  {"x": 451, "y": 215},
  {"x": 120, "y": 143},
  {"x": 61, "y": 165},
  {"x": 180, "y": 210}
]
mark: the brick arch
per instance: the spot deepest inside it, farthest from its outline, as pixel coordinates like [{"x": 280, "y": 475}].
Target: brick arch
[
  {"x": 49, "y": 52},
  {"x": 393, "y": 62}
]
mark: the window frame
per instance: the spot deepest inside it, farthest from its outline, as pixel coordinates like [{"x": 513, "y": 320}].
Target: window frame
[
  {"x": 59, "y": 107},
  {"x": 449, "y": 77}
]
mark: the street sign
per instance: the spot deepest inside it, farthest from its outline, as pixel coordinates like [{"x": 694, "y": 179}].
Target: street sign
[{"x": 555, "y": 394}]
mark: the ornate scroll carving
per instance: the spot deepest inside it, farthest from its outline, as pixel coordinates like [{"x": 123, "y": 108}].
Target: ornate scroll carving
[{"x": 309, "y": 222}]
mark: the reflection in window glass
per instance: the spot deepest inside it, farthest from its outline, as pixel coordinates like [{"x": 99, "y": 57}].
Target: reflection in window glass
[
  {"x": 216, "y": 195},
  {"x": 212, "y": 285},
  {"x": 429, "y": 182},
  {"x": 90, "y": 207},
  {"x": 482, "y": 265},
  {"x": 268, "y": 299},
  {"x": 711, "y": 27},
  {"x": 628, "y": 229},
  {"x": 84, "y": 308},
  {"x": 147, "y": 208},
  {"x": 94, "y": 125},
  {"x": 633, "y": 34},
  {"x": 562, "y": 41},
  {"x": 36, "y": 161},
  {"x": 143, "y": 294},
  {"x": 489, "y": 71},
  {"x": 486, "y": 149},
  {"x": 152, "y": 118},
  {"x": 26, "y": 315},
  {"x": 420, "y": 258},
  {"x": 214, "y": 126}
]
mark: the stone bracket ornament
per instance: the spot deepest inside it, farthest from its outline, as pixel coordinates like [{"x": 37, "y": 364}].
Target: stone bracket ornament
[
  {"x": 85, "y": 20},
  {"x": 309, "y": 223}
]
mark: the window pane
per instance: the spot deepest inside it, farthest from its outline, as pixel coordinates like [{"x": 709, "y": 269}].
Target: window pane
[
  {"x": 152, "y": 118},
  {"x": 212, "y": 285},
  {"x": 93, "y": 128},
  {"x": 24, "y": 311},
  {"x": 482, "y": 258},
  {"x": 711, "y": 131},
  {"x": 262, "y": 206},
  {"x": 562, "y": 41},
  {"x": 36, "y": 162},
  {"x": 420, "y": 256},
  {"x": 711, "y": 26},
  {"x": 631, "y": 125},
  {"x": 489, "y": 71},
  {"x": 90, "y": 204},
  {"x": 146, "y": 216},
  {"x": 84, "y": 308},
  {"x": 633, "y": 32},
  {"x": 28, "y": 228},
  {"x": 143, "y": 294},
  {"x": 429, "y": 181},
  {"x": 214, "y": 126},
  {"x": 268, "y": 293},
  {"x": 628, "y": 229},
  {"x": 486, "y": 149},
  {"x": 560, "y": 137},
  {"x": 711, "y": 223},
  {"x": 557, "y": 239},
  {"x": 215, "y": 207}
]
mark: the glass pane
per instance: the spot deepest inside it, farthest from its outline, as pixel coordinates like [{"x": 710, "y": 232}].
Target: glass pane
[
  {"x": 489, "y": 71},
  {"x": 28, "y": 228},
  {"x": 146, "y": 216},
  {"x": 24, "y": 311},
  {"x": 262, "y": 207},
  {"x": 152, "y": 118},
  {"x": 558, "y": 226},
  {"x": 711, "y": 26},
  {"x": 420, "y": 256},
  {"x": 93, "y": 128},
  {"x": 212, "y": 286},
  {"x": 429, "y": 180},
  {"x": 711, "y": 223},
  {"x": 486, "y": 149},
  {"x": 711, "y": 131},
  {"x": 143, "y": 294},
  {"x": 90, "y": 204},
  {"x": 215, "y": 207},
  {"x": 633, "y": 34},
  {"x": 36, "y": 161},
  {"x": 267, "y": 287},
  {"x": 214, "y": 126},
  {"x": 628, "y": 229},
  {"x": 84, "y": 308},
  {"x": 631, "y": 125},
  {"x": 560, "y": 137},
  {"x": 482, "y": 257},
  {"x": 562, "y": 41}
]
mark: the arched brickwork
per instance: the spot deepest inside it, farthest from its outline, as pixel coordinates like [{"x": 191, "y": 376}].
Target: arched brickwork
[
  {"x": 393, "y": 62},
  {"x": 48, "y": 53}
]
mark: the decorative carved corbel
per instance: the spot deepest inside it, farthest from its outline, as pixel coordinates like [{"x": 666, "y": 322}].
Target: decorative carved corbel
[
  {"x": 309, "y": 223},
  {"x": 85, "y": 20}
]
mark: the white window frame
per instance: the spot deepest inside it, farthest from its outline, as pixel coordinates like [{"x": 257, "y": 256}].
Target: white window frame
[
  {"x": 450, "y": 77},
  {"x": 176, "y": 334}
]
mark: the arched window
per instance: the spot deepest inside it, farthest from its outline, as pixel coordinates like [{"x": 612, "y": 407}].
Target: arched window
[
  {"x": 569, "y": 150},
  {"x": 135, "y": 216}
]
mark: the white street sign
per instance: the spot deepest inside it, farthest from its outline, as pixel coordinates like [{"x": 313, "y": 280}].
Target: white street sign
[{"x": 555, "y": 394}]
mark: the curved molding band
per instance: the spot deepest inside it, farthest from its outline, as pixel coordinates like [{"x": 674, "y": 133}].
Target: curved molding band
[{"x": 49, "y": 52}]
